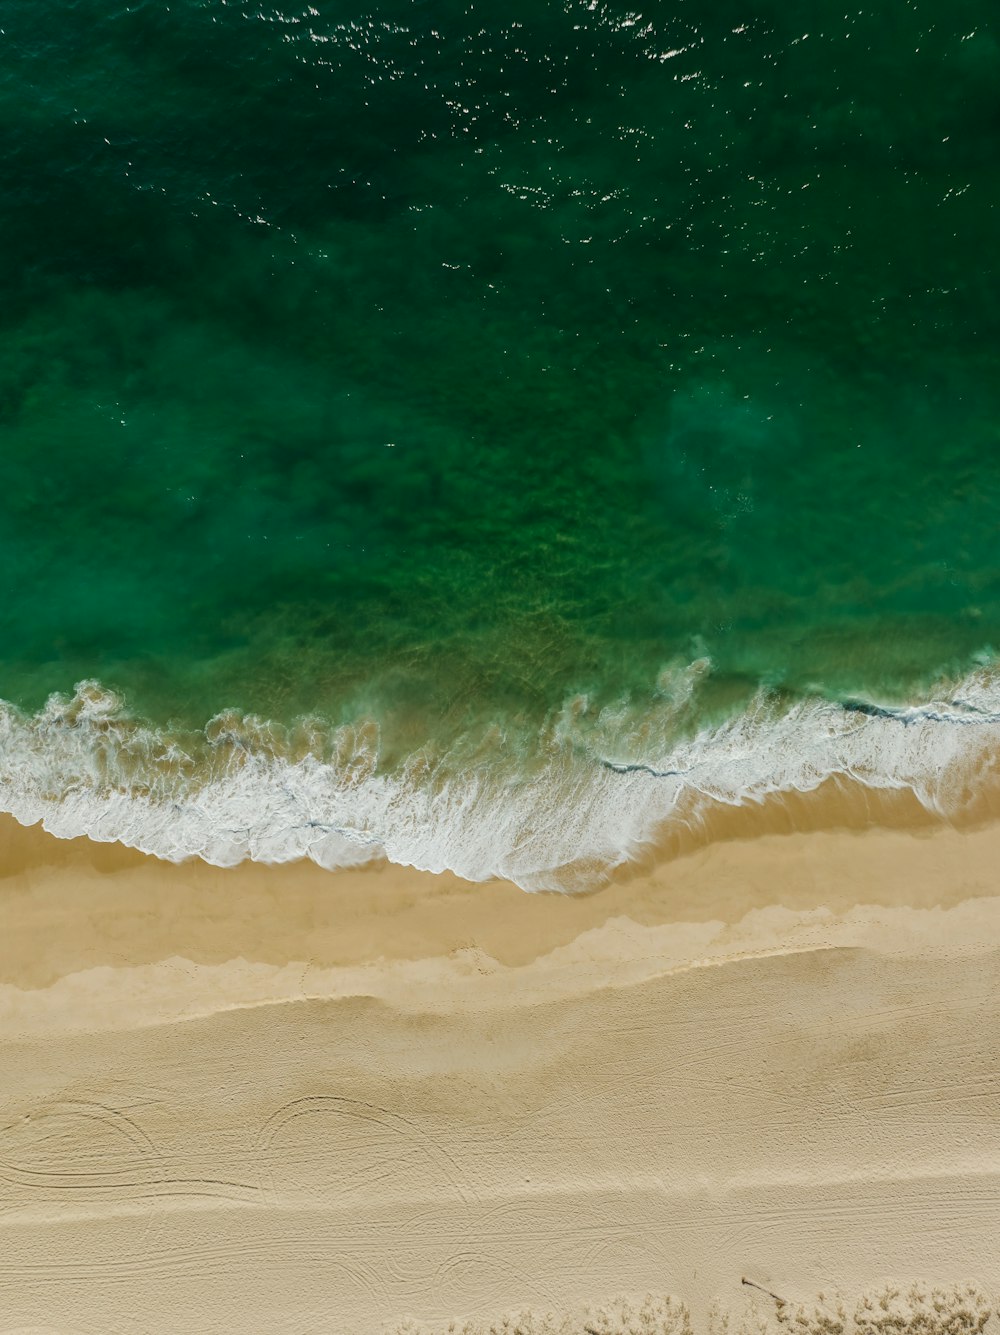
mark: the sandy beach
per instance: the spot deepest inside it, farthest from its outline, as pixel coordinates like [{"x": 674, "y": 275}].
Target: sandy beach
[{"x": 276, "y": 1099}]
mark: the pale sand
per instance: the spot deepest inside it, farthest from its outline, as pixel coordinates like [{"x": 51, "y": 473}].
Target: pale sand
[{"x": 280, "y": 1100}]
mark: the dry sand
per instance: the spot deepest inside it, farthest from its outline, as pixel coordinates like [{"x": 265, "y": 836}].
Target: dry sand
[{"x": 280, "y": 1100}]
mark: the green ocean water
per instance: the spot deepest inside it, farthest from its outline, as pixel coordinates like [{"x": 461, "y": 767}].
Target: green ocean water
[{"x": 427, "y": 366}]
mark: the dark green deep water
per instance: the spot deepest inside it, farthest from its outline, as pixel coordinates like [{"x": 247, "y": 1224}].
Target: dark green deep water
[{"x": 432, "y": 363}]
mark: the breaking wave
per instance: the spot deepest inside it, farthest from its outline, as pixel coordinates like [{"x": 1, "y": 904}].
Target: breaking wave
[{"x": 557, "y": 810}]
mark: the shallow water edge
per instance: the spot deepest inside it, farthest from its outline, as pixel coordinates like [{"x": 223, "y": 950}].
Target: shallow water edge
[{"x": 564, "y": 810}]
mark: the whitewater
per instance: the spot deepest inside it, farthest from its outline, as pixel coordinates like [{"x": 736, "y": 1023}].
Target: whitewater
[{"x": 592, "y": 791}]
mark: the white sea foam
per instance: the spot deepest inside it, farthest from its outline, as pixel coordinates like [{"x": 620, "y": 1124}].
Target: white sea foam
[{"x": 592, "y": 790}]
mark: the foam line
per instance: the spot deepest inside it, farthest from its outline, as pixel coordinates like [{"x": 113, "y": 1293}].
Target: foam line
[{"x": 591, "y": 790}]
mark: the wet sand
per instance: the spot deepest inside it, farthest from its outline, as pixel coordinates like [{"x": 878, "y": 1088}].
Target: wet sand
[{"x": 278, "y": 1099}]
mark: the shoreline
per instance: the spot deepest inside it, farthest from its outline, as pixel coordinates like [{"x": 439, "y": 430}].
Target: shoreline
[
  {"x": 276, "y": 1099},
  {"x": 137, "y": 907},
  {"x": 567, "y": 819}
]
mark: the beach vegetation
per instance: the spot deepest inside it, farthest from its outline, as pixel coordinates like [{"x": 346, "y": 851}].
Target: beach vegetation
[
  {"x": 623, "y": 1315},
  {"x": 960, "y": 1309},
  {"x": 919, "y": 1310}
]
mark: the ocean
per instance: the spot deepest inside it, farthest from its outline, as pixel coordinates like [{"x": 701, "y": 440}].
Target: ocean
[{"x": 479, "y": 436}]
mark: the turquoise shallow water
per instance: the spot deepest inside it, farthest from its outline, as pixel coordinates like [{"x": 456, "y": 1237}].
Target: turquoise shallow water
[{"x": 539, "y": 400}]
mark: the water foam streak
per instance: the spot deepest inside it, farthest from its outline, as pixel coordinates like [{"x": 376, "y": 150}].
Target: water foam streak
[{"x": 592, "y": 791}]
